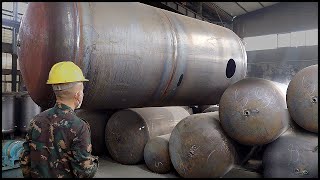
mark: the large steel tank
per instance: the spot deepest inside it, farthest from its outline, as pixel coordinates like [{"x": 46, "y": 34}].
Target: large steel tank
[
  {"x": 199, "y": 147},
  {"x": 133, "y": 54},
  {"x": 128, "y": 131},
  {"x": 156, "y": 154},
  {"x": 302, "y": 98},
  {"x": 97, "y": 121},
  {"x": 293, "y": 155},
  {"x": 253, "y": 111},
  {"x": 28, "y": 110},
  {"x": 8, "y": 121}
]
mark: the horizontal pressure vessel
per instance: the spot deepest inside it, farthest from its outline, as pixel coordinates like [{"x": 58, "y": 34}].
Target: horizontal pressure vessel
[
  {"x": 128, "y": 131},
  {"x": 134, "y": 55}
]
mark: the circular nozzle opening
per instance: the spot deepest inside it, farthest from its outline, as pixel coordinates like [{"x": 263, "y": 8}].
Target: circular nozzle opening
[
  {"x": 314, "y": 100},
  {"x": 246, "y": 112},
  {"x": 231, "y": 68}
]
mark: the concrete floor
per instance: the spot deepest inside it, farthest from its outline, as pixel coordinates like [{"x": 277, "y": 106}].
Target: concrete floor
[{"x": 111, "y": 169}]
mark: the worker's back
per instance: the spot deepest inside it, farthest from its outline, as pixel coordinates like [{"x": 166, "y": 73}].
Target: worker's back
[{"x": 58, "y": 144}]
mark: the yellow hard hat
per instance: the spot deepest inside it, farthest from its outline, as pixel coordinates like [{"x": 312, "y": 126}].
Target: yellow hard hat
[{"x": 65, "y": 72}]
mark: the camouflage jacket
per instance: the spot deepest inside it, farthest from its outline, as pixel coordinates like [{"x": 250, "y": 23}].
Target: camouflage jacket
[{"x": 58, "y": 144}]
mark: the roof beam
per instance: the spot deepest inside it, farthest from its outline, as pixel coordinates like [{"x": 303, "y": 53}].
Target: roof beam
[
  {"x": 216, "y": 8},
  {"x": 241, "y": 7},
  {"x": 261, "y": 4}
]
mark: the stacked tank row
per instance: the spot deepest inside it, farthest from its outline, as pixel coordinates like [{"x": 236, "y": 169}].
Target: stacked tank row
[
  {"x": 149, "y": 57},
  {"x": 251, "y": 124},
  {"x": 18, "y": 109}
]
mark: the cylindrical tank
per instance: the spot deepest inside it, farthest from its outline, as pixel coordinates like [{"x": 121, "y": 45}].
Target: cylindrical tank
[
  {"x": 199, "y": 148},
  {"x": 302, "y": 98},
  {"x": 8, "y": 121},
  {"x": 253, "y": 111},
  {"x": 292, "y": 155},
  {"x": 128, "y": 131},
  {"x": 97, "y": 121},
  {"x": 28, "y": 110},
  {"x": 134, "y": 55},
  {"x": 156, "y": 154}
]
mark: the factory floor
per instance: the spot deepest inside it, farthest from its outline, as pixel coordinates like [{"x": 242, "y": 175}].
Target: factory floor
[{"x": 111, "y": 169}]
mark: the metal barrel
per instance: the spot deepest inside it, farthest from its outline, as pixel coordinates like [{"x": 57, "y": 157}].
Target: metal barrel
[
  {"x": 97, "y": 121},
  {"x": 199, "y": 148},
  {"x": 253, "y": 111},
  {"x": 302, "y": 98},
  {"x": 134, "y": 55},
  {"x": 128, "y": 131},
  {"x": 292, "y": 155},
  {"x": 156, "y": 154},
  {"x": 28, "y": 110},
  {"x": 8, "y": 114}
]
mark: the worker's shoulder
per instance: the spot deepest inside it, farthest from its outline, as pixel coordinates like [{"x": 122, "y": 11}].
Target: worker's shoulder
[
  {"x": 65, "y": 115},
  {"x": 78, "y": 120}
]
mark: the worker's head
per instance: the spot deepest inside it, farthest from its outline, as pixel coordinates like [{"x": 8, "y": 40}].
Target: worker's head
[{"x": 67, "y": 79}]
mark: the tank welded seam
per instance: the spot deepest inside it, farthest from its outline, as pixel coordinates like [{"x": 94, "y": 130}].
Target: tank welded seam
[
  {"x": 77, "y": 35},
  {"x": 174, "y": 64},
  {"x": 244, "y": 55}
]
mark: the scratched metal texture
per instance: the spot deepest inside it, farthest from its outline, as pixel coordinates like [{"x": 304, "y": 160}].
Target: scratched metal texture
[
  {"x": 134, "y": 55},
  {"x": 199, "y": 148},
  {"x": 293, "y": 155},
  {"x": 302, "y": 98},
  {"x": 156, "y": 154},
  {"x": 97, "y": 121},
  {"x": 128, "y": 131},
  {"x": 253, "y": 111}
]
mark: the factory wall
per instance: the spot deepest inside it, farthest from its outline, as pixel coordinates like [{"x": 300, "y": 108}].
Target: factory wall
[{"x": 280, "y": 40}]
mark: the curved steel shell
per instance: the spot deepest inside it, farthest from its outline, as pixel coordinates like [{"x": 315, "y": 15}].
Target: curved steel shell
[
  {"x": 302, "y": 98},
  {"x": 97, "y": 121},
  {"x": 292, "y": 156},
  {"x": 134, "y": 55},
  {"x": 156, "y": 154},
  {"x": 128, "y": 131},
  {"x": 8, "y": 121},
  {"x": 28, "y": 109},
  {"x": 199, "y": 147},
  {"x": 253, "y": 111}
]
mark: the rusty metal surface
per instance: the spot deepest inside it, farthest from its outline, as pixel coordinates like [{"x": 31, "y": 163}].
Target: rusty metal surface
[
  {"x": 48, "y": 34},
  {"x": 8, "y": 120},
  {"x": 199, "y": 148},
  {"x": 302, "y": 98},
  {"x": 28, "y": 109},
  {"x": 97, "y": 121},
  {"x": 134, "y": 55},
  {"x": 128, "y": 131},
  {"x": 253, "y": 111},
  {"x": 292, "y": 156},
  {"x": 156, "y": 154}
]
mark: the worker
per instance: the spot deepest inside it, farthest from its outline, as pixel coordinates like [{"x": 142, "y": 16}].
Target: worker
[{"x": 58, "y": 143}]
